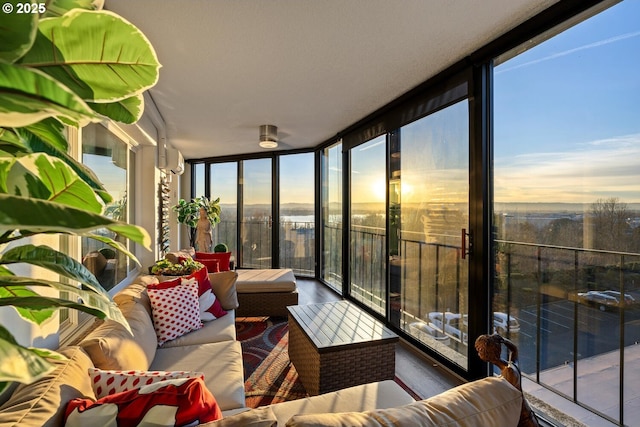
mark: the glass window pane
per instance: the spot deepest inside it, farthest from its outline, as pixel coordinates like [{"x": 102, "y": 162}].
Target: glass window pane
[
  {"x": 224, "y": 184},
  {"x": 567, "y": 206},
  {"x": 331, "y": 270},
  {"x": 297, "y": 213},
  {"x": 107, "y": 156},
  {"x": 367, "y": 242},
  {"x": 198, "y": 173},
  {"x": 429, "y": 191},
  {"x": 256, "y": 214}
]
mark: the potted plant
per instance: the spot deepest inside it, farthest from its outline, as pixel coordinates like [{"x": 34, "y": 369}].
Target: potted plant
[
  {"x": 61, "y": 66},
  {"x": 164, "y": 267},
  {"x": 189, "y": 213}
]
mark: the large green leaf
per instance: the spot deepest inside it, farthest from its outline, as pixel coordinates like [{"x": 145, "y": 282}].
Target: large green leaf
[
  {"x": 99, "y": 55},
  {"x": 52, "y": 131},
  {"x": 38, "y": 145},
  {"x": 17, "y": 31},
  {"x": 127, "y": 111},
  {"x": 34, "y": 316},
  {"x": 28, "y": 96},
  {"x": 43, "y": 216},
  {"x": 21, "y": 364},
  {"x": 45, "y": 177},
  {"x": 58, "y": 262},
  {"x": 60, "y": 7},
  {"x": 13, "y": 291}
]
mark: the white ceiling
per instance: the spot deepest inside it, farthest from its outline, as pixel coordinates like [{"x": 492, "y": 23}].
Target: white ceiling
[{"x": 312, "y": 68}]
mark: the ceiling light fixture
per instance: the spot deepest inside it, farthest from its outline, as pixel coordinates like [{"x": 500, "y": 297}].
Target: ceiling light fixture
[{"x": 268, "y": 136}]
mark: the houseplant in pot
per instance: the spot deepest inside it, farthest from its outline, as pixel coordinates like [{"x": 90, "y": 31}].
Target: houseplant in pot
[{"x": 65, "y": 66}]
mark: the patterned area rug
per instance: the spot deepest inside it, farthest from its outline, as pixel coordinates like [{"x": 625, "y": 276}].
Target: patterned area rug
[{"x": 270, "y": 377}]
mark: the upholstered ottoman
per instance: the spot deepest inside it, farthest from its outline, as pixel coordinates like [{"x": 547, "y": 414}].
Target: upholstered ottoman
[{"x": 266, "y": 292}]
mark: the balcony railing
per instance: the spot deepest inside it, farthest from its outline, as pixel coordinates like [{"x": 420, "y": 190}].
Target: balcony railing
[{"x": 568, "y": 339}]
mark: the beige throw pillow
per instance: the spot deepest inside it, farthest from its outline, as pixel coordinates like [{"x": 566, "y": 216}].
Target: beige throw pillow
[
  {"x": 111, "y": 346},
  {"x": 224, "y": 287},
  {"x": 487, "y": 402}
]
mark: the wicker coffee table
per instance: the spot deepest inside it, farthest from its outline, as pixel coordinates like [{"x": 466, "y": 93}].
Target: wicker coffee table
[{"x": 337, "y": 345}]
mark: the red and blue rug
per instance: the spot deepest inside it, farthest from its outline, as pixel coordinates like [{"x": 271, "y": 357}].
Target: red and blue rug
[{"x": 269, "y": 375}]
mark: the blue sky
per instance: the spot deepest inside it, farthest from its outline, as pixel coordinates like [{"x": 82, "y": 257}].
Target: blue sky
[{"x": 567, "y": 116}]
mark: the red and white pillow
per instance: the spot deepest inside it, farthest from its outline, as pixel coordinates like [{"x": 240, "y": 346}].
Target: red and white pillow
[
  {"x": 210, "y": 306},
  {"x": 175, "y": 402},
  {"x": 175, "y": 308},
  {"x": 107, "y": 382}
]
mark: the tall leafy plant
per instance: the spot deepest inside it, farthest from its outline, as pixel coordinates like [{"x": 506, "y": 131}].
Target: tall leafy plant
[
  {"x": 72, "y": 64},
  {"x": 189, "y": 213}
]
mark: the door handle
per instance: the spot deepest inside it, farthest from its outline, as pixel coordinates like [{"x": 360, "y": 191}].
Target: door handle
[{"x": 464, "y": 251}]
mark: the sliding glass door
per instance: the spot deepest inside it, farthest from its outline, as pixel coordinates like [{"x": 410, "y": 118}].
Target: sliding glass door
[{"x": 256, "y": 220}]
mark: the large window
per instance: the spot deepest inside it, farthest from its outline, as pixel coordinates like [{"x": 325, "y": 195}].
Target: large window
[
  {"x": 224, "y": 185},
  {"x": 331, "y": 262},
  {"x": 429, "y": 190},
  {"x": 367, "y": 216},
  {"x": 567, "y": 208},
  {"x": 297, "y": 213},
  {"x": 113, "y": 163},
  {"x": 257, "y": 216}
]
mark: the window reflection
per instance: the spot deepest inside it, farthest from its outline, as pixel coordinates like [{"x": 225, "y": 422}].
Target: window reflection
[
  {"x": 108, "y": 157},
  {"x": 429, "y": 193}
]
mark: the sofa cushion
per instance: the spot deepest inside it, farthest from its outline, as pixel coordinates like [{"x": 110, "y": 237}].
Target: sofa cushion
[
  {"x": 178, "y": 401},
  {"x": 175, "y": 308},
  {"x": 212, "y": 265},
  {"x": 491, "y": 401},
  {"x": 106, "y": 382},
  {"x": 42, "y": 403},
  {"x": 137, "y": 291},
  {"x": 224, "y": 286},
  {"x": 111, "y": 346},
  {"x": 222, "y": 329},
  {"x": 259, "y": 417},
  {"x": 365, "y": 397},
  {"x": 221, "y": 362},
  {"x": 266, "y": 280},
  {"x": 210, "y": 306},
  {"x": 224, "y": 258}
]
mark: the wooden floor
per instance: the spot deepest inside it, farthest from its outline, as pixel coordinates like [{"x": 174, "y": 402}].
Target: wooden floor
[{"x": 422, "y": 375}]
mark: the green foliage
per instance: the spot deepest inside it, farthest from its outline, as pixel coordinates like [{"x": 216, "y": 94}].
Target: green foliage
[
  {"x": 189, "y": 212},
  {"x": 72, "y": 65},
  {"x": 167, "y": 268}
]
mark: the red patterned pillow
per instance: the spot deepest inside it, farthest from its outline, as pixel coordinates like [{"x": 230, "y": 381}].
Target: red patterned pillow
[
  {"x": 175, "y": 308},
  {"x": 210, "y": 306},
  {"x": 223, "y": 257},
  {"x": 106, "y": 382},
  {"x": 176, "y": 402}
]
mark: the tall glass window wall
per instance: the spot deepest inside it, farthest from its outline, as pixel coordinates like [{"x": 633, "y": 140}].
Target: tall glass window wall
[
  {"x": 297, "y": 213},
  {"x": 567, "y": 210},
  {"x": 331, "y": 262},
  {"x": 367, "y": 216}
]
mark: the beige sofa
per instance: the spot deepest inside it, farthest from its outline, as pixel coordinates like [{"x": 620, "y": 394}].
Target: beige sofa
[{"x": 214, "y": 351}]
